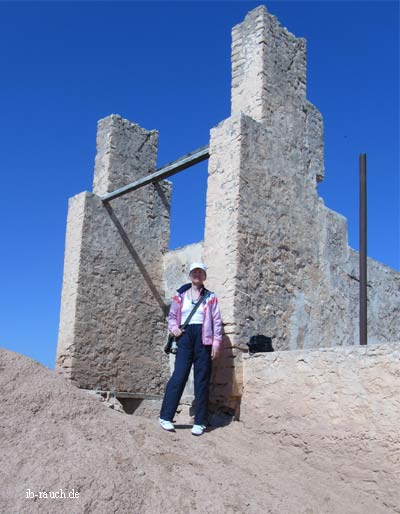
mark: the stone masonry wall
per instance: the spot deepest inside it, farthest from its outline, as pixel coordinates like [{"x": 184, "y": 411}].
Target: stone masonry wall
[
  {"x": 306, "y": 389},
  {"x": 278, "y": 257},
  {"x": 112, "y": 318}
]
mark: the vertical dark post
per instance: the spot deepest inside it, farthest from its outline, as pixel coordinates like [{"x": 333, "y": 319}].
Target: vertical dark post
[{"x": 363, "y": 249}]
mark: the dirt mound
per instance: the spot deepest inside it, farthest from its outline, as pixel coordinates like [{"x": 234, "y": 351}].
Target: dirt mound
[{"x": 55, "y": 438}]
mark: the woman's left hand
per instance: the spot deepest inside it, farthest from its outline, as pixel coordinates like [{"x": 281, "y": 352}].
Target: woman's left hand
[{"x": 214, "y": 352}]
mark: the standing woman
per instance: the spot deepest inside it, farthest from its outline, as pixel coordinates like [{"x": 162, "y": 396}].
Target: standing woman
[{"x": 198, "y": 344}]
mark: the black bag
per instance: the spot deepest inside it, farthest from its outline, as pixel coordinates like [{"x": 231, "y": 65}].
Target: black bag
[
  {"x": 260, "y": 343},
  {"x": 170, "y": 347}
]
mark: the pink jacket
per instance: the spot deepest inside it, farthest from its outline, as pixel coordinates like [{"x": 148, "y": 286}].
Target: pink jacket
[{"x": 212, "y": 323}]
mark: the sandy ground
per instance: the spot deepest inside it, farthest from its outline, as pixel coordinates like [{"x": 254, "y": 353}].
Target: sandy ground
[{"x": 54, "y": 437}]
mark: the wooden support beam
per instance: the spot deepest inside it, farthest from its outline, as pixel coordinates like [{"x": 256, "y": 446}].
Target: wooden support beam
[
  {"x": 190, "y": 159},
  {"x": 122, "y": 394}
]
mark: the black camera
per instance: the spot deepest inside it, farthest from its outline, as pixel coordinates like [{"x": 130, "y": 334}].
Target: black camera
[{"x": 171, "y": 345}]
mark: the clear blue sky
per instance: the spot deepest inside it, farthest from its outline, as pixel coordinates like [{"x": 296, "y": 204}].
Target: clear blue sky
[{"x": 166, "y": 66}]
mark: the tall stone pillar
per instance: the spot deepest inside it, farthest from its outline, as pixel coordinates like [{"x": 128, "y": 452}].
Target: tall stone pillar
[
  {"x": 259, "y": 161},
  {"x": 112, "y": 321}
]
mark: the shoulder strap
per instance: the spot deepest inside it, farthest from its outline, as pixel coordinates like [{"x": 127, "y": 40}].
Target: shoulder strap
[{"x": 194, "y": 309}]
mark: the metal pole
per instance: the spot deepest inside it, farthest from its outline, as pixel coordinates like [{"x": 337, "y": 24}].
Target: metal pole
[{"x": 363, "y": 249}]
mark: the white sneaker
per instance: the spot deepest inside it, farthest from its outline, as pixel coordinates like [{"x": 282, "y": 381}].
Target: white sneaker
[
  {"x": 166, "y": 425},
  {"x": 198, "y": 429}
]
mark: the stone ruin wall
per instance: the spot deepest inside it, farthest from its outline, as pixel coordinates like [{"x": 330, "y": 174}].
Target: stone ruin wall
[
  {"x": 281, "y": 261},
  {"x": 113, "y": 311},
  {"x": 278, "y": 258},
  {"x": 332, "y": 392},
  {"x": 326, "y": 388}
]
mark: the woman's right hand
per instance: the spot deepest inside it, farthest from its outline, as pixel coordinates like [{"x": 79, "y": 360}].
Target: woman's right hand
[{"x": 177, "y": 332}]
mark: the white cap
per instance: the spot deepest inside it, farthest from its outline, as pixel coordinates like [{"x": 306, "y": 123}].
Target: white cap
[{"x": 196, "y": 265}]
